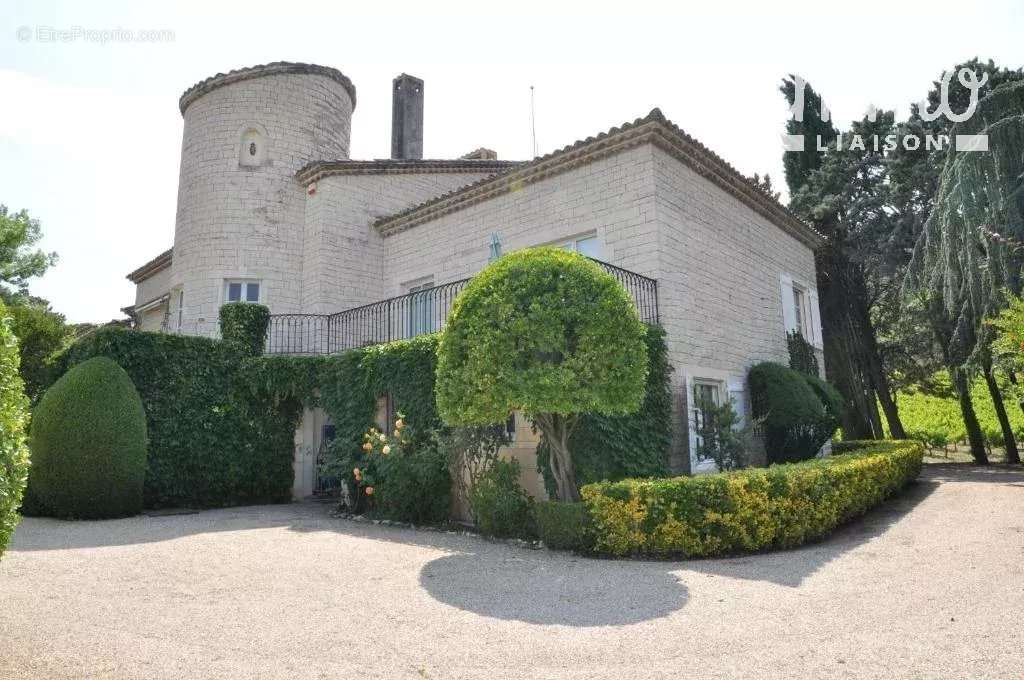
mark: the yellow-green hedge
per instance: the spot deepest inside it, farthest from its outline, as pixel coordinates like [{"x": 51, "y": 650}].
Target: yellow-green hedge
[{"x": 749, "y": 510}]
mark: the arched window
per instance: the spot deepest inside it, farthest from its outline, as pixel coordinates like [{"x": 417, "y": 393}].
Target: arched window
[{"x": 252, "y": 150}]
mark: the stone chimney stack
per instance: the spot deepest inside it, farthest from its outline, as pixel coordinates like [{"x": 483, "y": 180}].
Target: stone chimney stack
[{"x": 407, "y": 117}]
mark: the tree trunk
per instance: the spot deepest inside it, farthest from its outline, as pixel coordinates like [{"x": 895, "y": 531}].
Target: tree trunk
[
  {"x": 878, "y": 376},
  {"x": 557, "y": 430},
  {"x": 1009, "y": 441},
  {"x": 846, "y": 362},
  {"x": 974, "y": 436}
]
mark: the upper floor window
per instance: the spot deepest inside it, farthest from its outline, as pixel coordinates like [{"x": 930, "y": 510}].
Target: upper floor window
[
  {"x": 800, "y": 310},
  {"x": 242, "y": 291},
  {"x": 584, "y": 245},
  {"x": 252, "y": 151}
]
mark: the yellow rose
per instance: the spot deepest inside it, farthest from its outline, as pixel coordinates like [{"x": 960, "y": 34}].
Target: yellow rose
[
  {"x": 383, "y": 437},
  {"x": 399, "y": 423},
  {"x": 386, "y": 450},
  {"x": 367, "y": 446}
]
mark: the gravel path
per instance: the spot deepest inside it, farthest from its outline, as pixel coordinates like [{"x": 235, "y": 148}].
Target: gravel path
[{"x": 929, "y": 587}]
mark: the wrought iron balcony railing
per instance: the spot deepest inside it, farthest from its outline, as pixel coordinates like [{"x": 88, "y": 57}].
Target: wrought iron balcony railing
[{"x": 407, "y": 316}]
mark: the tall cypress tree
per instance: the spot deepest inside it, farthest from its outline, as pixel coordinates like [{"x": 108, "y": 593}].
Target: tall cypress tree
[{"x": 840, "y": 192}]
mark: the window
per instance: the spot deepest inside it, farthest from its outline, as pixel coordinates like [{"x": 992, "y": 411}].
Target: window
[
  {"x": 242, "y": 291},
  {"x": 584, "y": 245},
  {"x": 252, "y": 151},
  {"x": 421, "y": 308},
  {"x": 704, "y": 392},
  {"x": 800, "y": 310},
  {"x": 181, "y": 307}
]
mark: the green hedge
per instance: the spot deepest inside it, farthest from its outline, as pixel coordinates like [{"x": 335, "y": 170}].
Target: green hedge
[
  {"x": 564, "y": 526},
  {"x": 14, "y": 459},
  {"x": 749, "y": 510},
  {"x": 500, "y": 503},
  {"x": 617, "y": 447},
  {"x": 218, "y": 434},
  {"x": 88, "y": 444}
]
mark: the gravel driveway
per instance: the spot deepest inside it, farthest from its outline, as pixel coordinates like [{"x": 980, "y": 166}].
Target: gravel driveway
[{"x": 930, "y": 586}]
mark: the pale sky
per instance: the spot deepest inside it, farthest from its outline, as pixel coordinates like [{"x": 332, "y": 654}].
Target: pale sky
[{"x": 90, "y": 133}]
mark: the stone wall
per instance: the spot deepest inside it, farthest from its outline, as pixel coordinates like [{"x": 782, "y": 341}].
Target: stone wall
[
  {"x": 343, "y": 253},
  {"x": 719, "y": 291}
]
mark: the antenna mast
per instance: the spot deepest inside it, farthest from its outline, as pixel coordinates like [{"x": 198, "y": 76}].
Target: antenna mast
[{"x": 533, "y": 122}]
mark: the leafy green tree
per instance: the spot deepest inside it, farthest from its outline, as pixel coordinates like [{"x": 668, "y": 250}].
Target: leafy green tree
[
  {"x": 18, "y": 261},
  {"x": 42, "y": 335},
  {"x": 549, "y": 333}
]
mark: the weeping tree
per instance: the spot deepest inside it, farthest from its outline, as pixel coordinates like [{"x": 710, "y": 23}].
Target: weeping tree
[
  {"x": 968, "y": 255},
  {"x": 549, "y": 333}
]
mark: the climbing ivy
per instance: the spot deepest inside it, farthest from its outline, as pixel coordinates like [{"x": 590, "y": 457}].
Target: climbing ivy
[{"x": 636, "y": 445}]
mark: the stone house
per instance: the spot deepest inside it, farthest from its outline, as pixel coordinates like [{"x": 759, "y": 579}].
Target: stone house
[{"x": 350, "y": 252}]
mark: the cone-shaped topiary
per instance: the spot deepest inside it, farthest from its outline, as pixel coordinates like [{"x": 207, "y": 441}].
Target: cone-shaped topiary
[{"x": 88, "y": 443}]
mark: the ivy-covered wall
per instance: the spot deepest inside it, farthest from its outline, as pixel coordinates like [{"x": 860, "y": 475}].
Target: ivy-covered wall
[
  {"x": 348, "y": 386},
  {"x": 617, "y": 447},
  {"x": 217, "y": 435}
]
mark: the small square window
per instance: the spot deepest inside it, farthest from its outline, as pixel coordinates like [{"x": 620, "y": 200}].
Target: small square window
[{"x": 242, "y": 291}]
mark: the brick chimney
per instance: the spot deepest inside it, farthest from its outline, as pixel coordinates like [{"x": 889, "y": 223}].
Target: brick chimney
[{"x": 407, "y": 117}]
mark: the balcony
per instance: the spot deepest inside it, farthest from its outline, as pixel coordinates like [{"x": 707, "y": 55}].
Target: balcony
[{"x": 407, "y": 316}]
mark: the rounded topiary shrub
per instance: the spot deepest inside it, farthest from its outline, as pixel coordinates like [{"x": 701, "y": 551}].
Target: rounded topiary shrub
[
  {"x": 88, "y": 442},
  {"x": 797, "y": 421}
]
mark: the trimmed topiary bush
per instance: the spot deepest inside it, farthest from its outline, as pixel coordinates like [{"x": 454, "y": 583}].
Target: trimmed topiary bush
[
  {"x": 796, "y": 422},
  {"x": 89, "y": 444},
  {"x": 244, "y": 324},
  {"x": 749, "y": 510},
  {"x": 549, "y": 333},
  {"x": 564, "y": 526},
  {"x": 13, "y": 419}
]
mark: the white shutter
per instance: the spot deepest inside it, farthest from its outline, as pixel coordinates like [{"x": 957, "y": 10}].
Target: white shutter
[
  {"x": 691, "y": 426},
  {"x": 737, "y": 394},
  {"x": 817, "y": 340},
  {"x": 788, "y": 311}
]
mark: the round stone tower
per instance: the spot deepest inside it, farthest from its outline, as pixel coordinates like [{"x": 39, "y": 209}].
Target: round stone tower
[{"x": 239, "y": 226}]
